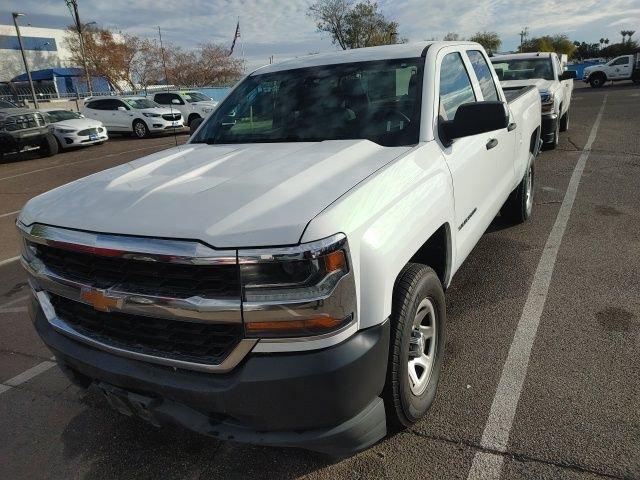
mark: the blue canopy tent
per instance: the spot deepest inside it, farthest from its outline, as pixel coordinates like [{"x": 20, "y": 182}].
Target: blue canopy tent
[{"x": 67, "y": 81}]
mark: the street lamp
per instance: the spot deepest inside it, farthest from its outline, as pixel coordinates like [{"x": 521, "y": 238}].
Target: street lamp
[{"x": 24, "y": 58}]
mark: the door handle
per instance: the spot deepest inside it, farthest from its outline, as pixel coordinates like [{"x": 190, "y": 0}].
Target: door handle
[
  {"x": 512, "y": 126},
  {"x": 492, "y": 143}
]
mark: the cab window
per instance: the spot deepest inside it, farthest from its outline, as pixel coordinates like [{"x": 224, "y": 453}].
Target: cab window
[
  {"x": 620, "y": 61},
  {"x": 483, "y": 72},
  {"x": 455, "y": 86}
]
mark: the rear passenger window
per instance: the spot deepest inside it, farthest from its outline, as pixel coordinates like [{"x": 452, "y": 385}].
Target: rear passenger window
[
  {"x": 162, "y": 98},
  {"x": 480, "y": 66},
  {"x": 455, "y": 86}
]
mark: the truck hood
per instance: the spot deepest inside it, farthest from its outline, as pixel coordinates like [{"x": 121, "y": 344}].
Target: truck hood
[
  {"x": 540, "y": 83},
  {"x": 224, "y": 195}
]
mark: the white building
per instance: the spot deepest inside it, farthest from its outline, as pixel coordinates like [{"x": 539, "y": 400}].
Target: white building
[{"x": 44, "y": 48}]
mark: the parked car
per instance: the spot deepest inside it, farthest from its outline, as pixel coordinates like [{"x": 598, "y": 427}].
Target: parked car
[
  {"x": 22, "y": 129},
  {"x": 546, "y": 72},
  {"x": 192, "y": 105},
  {"x": 280, "y": 279},
  {"x": 72, "y": 129},
  {"x": 137, "y": 115},
  {"x": 625, "y": 67}
]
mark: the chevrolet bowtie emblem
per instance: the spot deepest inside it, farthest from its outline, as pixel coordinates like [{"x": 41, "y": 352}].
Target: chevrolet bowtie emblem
[{"x": 99, "y": 299}]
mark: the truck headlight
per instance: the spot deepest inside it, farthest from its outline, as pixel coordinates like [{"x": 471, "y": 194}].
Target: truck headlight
[
  {"x": 299, "y": 291},
  {"x": 154, "y": 115},
  {"x": 64, "y": 130}
]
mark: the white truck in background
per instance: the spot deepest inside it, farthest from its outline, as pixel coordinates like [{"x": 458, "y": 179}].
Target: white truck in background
[
  {"x": 625, "y": 67},
  {"x": 545, "y": 71},
  {"x": 280, "y": 278}
]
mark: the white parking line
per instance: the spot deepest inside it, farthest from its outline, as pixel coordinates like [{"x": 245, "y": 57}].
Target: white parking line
[
  {"x": 26, "y": 376},
  {"x": 9, "y": 214},
  {"x": 13, "y": 302},
  {"x": 9, "y": 260},
  {"x": 488, "y": 466},
  {"x": 83, "y": 161}
]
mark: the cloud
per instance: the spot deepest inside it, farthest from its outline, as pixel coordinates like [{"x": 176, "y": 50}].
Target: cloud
[{"x": 282, "y": 28}]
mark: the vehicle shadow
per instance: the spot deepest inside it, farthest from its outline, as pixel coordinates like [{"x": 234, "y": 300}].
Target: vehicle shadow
[{"x": 110, "y": 445}]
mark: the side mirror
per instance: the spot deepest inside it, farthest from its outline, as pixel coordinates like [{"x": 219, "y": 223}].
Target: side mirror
[
  {"x": 194, "y": 125},
  {"x": 569, "y": 75},
  {"x": 475, "y": 118},
  {"x": 175, "y": 101},
  {"x": 122, "y": 109}
]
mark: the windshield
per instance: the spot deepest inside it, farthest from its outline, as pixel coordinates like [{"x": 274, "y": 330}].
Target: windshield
[
  {"x": 524, "y": 68},
  {"x": 140, "y": 103},
  {"x": 377, "y": 101},
  {"x": 60, "y": 115},
  {"x": 6, "y": 104},
  {"x": 195, "y": 97}
]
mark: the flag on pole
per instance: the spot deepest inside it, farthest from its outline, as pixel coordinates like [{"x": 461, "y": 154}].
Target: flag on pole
[{"x": 235, "y": 37}]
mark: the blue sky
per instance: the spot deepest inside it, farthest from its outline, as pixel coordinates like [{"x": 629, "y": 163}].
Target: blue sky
[{"x": 281, "y": 28}]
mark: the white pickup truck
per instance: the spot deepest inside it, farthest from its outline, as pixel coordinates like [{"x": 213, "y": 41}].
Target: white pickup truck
[
  {"x": 280, "y": 278},
  {"x": 625, "y": 67},
  {"x": 546, "y": 71}
]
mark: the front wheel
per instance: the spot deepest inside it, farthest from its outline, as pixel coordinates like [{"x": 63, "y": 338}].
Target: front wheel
[
  {"x": 597, "y": 81},
  {"x": 418, "y": 319},
  {"x": 48, "y": 146},
  {"x": 519, "y": 206},
  {"x": 140, "y": 129}
]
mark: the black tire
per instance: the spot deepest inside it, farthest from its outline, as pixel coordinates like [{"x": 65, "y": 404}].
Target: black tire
[
  {"x": 48, "y": 146},
  {"x": 564, "y": 122},
  {"x": 519, "y": 206},
  {"x": 140, "y": 129},
  {"x": 555, "y": 139},
  {"x": 415, "y": 284},
  {"x": 192, "y": 117},
  {"x": 597, "y": 81}
]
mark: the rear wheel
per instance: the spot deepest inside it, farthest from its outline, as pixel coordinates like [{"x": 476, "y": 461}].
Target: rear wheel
[
  {"x": 140, "y": 129},
  {"x": 519, "y": 205},
  {"x": 417, "y": 345},
  {"x": 48, "y": 146}
]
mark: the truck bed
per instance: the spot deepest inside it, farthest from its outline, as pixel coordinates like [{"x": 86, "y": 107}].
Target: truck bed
[{"x": 513, "y": 93}]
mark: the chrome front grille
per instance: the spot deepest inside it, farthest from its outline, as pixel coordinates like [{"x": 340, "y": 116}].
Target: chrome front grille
[
  {"x": 24, "y": 121},
  {"x": 170, "y": 302},
  {"x": 88, "y": 131},
  {"x": 172, "y": 116}
]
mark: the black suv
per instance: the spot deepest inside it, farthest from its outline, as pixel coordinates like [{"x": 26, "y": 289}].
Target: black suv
[{"x": 22, "y": 129}]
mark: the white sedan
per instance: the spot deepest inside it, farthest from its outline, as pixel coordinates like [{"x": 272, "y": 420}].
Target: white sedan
[{"x": 72, "y": 129}]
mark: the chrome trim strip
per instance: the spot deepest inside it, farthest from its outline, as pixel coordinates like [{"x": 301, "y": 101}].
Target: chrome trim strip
[
  {"x": 193, "y": 309},
  {"x": 124, "y": 246},
  {"x": 233, "y": 359}
]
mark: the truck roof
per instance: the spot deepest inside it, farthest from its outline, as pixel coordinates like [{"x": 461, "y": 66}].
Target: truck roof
[
  {"x": 9, "y": 112},
  {"x": 522, "y": 55},
  {"x": 386, "y": 52}
]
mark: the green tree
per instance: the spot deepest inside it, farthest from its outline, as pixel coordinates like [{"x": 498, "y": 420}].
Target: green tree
[
  {"x": 549, "y": 43},
  {"x": 586, "y": 50},
  {"x": 617, "y": 49},
  {"x": 354, "y": 25},
  {"x": 489, "y": 40}
]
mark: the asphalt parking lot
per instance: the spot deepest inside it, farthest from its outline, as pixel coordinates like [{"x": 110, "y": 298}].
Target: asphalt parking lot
[{"x": 578, "y": 409}]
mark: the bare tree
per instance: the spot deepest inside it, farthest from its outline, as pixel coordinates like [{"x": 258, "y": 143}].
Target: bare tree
[
  {"x": 354, "y": 25},
  {"x": 451, "y": 36}
]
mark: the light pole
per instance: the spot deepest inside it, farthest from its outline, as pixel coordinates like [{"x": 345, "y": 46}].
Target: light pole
[
  {"x": 73, "y": 8},
  {"x": 24, "y": 58}
]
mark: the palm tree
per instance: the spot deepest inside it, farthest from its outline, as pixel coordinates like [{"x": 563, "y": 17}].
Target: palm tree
[
  {"x": 601, "y": 43},
  {"x": 630, "y": 33},
  {"x": 624, "y": 35},
  {"x": 606, "y": 41}
]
